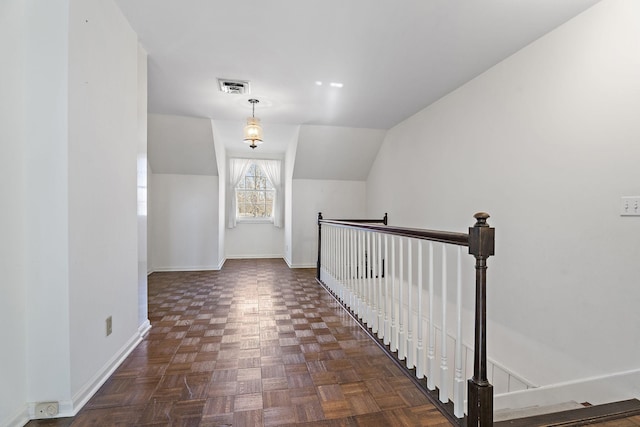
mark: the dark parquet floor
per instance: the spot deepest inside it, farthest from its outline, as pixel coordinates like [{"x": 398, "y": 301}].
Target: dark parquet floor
[{"x": 255, "y": 344}]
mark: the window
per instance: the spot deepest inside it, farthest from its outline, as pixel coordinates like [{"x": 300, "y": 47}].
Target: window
[
  {"x": 254, "y": 191},
  {"x": 255, "y": 195}
]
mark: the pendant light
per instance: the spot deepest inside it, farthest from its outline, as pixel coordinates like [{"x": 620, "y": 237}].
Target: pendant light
[{"x": 253, "y": 130}]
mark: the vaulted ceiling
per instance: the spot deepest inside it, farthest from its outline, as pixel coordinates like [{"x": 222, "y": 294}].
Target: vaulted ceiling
[{"x": 393, "y": 57}]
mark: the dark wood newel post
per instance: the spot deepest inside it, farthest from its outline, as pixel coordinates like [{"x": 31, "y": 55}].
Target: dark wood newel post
[
  {"x": 319, "y": 244},
  {"x": 480, "y": 397}
]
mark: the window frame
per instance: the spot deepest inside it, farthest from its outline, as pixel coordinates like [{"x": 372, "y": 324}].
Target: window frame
[{"x": 268, "y": 188}]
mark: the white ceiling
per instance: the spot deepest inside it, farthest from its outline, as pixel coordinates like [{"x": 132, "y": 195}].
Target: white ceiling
[{"x": 394, "y": 57}]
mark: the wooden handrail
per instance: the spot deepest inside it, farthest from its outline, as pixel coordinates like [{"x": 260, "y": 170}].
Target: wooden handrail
[
  {"x": 452, "y": 238},
  {"x": 481, "y": 243},
  {"x": 384, "y": 220}
]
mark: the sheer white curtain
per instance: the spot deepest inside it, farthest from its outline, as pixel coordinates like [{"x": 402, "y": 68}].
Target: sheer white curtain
[
  {"x": 271, "y": 169},
  {"x": 237, "y": 170}
]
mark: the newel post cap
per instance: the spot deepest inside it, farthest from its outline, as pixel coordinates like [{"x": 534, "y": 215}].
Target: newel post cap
[
  {"x": 481, "y": 237},
  {"x": 481, "y": 219}
]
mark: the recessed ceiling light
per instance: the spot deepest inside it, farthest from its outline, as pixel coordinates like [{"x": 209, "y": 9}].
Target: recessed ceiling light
[
  {"x": 318, "y": 83},
  {"x": 334, "y": 84}
]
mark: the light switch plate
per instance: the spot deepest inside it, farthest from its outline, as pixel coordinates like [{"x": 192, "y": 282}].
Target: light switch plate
[{"x": 630, "y": 206}]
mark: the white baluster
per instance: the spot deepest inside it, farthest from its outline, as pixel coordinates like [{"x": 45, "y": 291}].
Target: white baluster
[
  {"x": 444, "y": 365},
  {"x": 459, "y": 383},
  {"x": 349, "y": 281},
  {"x": 325, "y": 242},
  {"x": 338, "y": 261},
  {"x": 411, "y": 355},
  {"x": 325, "y": 248},
  {"x": 361, "y": 285},
  {"x": 335, "y": 257},
  {"x": 367, "y": 294},
  {"x": 354, "y": 286},
  {"x": 363, "y": 276},
  {"x": 431, "y": 350},
  {"x": 394, "y": 326},
  {"x": 420, "y": 346},
  {"x": 380, "y": 296},
  {"x": 349, "y": 255},
  {"x": 360, "y": 281},
  {"x": 402, "y": 336},
  {"x": 369, "y": 281},
  {"x": 374, "y": 286},
  {"x": 387, "y": 324},
  {"x": 343, "y": 262},
  {"x": 322, "y": 249},
  {"x": 352, "y": 281},
  {"x": 330, "y": 251},
  {"x": 330, "y": 264},
  {"x": 345, "y": 254},
  {"x": 332, "y": 248}
]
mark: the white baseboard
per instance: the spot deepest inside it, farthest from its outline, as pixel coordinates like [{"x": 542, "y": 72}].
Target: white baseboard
[
  {"x": 302, "y": 265},
  {"x": 595, "y": 390},
  {"x": 72, "y": 407},
  {"x": 144, "y": 328},
  {"x": 188, "y": 268},
  {"x": 18, "y": 420},
  {"x": 292, "y": 265},
  {"x": 221, "y": 264},
  {"x": 255, "y": 256}
]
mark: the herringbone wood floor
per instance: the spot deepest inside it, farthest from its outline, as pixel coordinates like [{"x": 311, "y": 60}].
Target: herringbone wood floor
[{"x": 255, "y": 344}]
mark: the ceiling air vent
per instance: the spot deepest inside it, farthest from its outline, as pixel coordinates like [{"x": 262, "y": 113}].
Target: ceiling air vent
[{"x": 238, "y": 87}]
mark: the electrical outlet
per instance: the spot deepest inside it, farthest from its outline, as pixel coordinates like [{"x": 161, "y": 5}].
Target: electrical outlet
[
  {"x": 630, "y": 206},
  {"x": 46, "y": 409},
  {"x": 109, "y": 325}
]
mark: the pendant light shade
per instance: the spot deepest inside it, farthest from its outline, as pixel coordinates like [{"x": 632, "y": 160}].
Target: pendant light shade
[{"x": 253, "y": 130}]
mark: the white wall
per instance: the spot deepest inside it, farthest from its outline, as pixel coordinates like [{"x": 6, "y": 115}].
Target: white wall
[
  {"x": 181, "y": 145},
  {"x": 183, "y": 218},
  {"x": 13, "y": 369},
  {"x": 335, "y": 199},
  {"x": 104, "y": 142},
  {"x": 547, "y": 143},
  {"x": 254, "y": 240},
  {"x": 70, "y": 157},
  {"x": 289, "y": 163},
  {"x": 336, "y": 153},
  {"x": 70, "y": 160},
  {"x": 142, "y": 196},
  {"x": 46, "y": 196},
  {"x": 150, "y": 251},
  {"x": 221, "y": 161}
]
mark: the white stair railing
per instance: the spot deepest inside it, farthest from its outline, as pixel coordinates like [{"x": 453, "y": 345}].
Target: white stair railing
[{"x": 414, "y": 305}]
